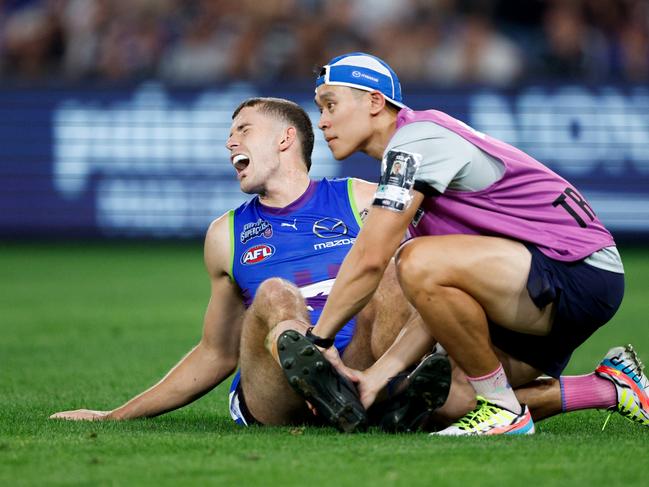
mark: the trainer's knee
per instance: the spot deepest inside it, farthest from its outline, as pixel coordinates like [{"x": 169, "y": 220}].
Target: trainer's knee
[{"x": 413, "y": 271}]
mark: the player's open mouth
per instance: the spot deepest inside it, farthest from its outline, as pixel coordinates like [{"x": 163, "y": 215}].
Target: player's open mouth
[{"x": 240, "y": 162}]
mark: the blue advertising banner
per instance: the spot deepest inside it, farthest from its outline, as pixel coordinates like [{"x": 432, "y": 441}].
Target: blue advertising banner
[{"x": 151, "y": 162}]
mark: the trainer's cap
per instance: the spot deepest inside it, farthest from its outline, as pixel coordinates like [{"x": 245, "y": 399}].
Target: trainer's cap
[{"x": 365, "y": 72}]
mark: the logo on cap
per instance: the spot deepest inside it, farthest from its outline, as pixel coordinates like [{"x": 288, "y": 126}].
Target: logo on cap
[
  {"x": 364, "y": 72},
  {"x": 371, "y": 78}
]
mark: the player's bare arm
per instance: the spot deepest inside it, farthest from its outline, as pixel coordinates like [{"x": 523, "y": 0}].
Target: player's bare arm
[
  {"x": 363, "y": 195},
  {"x": 208, "y": 363}
]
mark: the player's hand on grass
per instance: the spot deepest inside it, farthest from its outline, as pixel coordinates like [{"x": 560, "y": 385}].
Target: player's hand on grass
[{"x": 82, "y": 415}]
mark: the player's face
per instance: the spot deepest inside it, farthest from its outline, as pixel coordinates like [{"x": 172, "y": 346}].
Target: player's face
[
  {"x": 344, "y": 119},
  {"x": 253, "y": 145}
]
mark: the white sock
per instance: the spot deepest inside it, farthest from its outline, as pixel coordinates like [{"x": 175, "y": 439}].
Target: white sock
[{"x": 496, "y": 389}]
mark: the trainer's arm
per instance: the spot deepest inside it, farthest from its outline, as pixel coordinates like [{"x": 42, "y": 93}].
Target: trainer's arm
[
  {"x": 362, "y": 269},
  {"x": 412, "y": 343},
  {"x": 208, "y": 363}
]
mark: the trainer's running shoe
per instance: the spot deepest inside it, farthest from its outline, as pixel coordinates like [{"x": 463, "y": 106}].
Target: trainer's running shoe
[
  {"x": 311, "y": 375},
  {"x": 415, "y": 397},
  {"x": 622, "y": 367},
  {"x": 489, "y": 419}
]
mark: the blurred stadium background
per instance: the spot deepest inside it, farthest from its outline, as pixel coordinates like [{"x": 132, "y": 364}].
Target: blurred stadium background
[
  {"x": 113, "y": 120},
  {"x": 114, "y": 113}
]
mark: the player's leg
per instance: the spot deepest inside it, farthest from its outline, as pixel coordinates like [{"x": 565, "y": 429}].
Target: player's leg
[
  {"x": 542, "y": 396},
  {"x": 318, "y": 379},
  {"x": 376, "y": 328},
  {"x": 617, "y": 384},
  {"x": 278, "y": 307},
  {"x": 547, "y": 396},
  {"x": 267, "y": 395},
  {"x": 358, "y": 353},
  {"x": 411, "y": 396},
  {"x": 379, "y": 323}
]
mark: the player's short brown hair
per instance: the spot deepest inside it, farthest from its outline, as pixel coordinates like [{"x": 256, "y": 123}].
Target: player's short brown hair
[{"x": 290, "y": 112}]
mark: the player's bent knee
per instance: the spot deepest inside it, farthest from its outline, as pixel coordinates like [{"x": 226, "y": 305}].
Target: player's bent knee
[
  {"x": 277, "y": 300},
  {"x": 277, "y": 292}
]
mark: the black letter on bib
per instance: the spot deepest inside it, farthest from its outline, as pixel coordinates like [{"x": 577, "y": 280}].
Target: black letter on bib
[{"x": 581, "y": 203}]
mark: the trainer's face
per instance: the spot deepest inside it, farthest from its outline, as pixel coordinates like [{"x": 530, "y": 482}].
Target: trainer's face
[
  {"x": 254, "y": 149},
  {"x": 344, "y": 119}
]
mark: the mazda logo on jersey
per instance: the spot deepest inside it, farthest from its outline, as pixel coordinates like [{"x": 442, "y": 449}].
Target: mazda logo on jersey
[
  {"x": 329, "y": 228},
  {"x": 256, "y": 254}
]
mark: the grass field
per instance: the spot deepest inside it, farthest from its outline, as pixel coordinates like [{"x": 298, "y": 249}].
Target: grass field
[{"x": 90, "y": 325}]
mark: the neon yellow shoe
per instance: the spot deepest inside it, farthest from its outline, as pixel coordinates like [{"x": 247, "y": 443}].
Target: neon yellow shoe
[
  {"x": 622, "y": 367},
  {"x": 489, "y": 419}
]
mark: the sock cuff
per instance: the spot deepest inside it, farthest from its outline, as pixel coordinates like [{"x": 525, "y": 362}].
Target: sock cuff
[
  {"x": 586, "y": 392},
  {"x": 563, "y": 394},
  {"x": 487, "y": 376}
]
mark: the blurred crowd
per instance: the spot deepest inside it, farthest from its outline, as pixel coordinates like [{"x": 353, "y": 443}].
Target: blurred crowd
[{"x": 442, "y": 42}]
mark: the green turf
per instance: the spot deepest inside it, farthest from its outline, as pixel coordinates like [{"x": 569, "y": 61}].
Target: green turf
[{"x": 89, "y": 325}]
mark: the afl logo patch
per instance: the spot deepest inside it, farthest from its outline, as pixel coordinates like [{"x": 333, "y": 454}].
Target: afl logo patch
[{"x": 256, "y": 254}]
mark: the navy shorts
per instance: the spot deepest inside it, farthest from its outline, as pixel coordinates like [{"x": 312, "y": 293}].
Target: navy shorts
[
  {"x": 585, "y": 298},
  {"x": 239, "y": 411}
]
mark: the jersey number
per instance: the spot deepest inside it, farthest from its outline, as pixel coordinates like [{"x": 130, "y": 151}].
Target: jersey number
[{"x": 570, "y": 195}]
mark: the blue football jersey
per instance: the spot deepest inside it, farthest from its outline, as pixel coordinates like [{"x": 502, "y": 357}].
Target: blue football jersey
[{"x": 305, "y": 243}]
